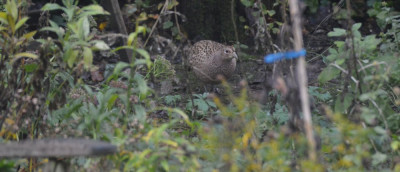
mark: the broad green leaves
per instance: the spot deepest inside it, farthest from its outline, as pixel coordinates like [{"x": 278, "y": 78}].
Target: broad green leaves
[
  {"x": 10, "y": 23},
  {"x": 10, "y": 17},
  {"x": 337, "y": 32},
  {"x": 247, "y": 3},
  {"x": 77, "y": 41},
  {"x": 328, "y": 74}
]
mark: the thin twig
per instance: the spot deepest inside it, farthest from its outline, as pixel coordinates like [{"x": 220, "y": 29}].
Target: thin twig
[
  {"x": 269, "y": 37},
  {"x": 339, "y": 5},
  {"x": 113, "y": 35},
  {"x": 302, "y": 78},
  {"x": 176, "y": 20},
  {"x": 345, "y": 71},
  {"x": 233, "y": 22},
  {"x": 372, "y": 141},
  {"x": 155, "y": 24},
  {"x": 373, "y": 64},
  {"x": 351, "y": 45},
  {"x": 380, "y": 113},
  {"x": 319, "y": 54}
]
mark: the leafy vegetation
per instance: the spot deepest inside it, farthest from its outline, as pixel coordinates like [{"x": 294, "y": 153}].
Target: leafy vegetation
[{"x": 44, "y": 94}]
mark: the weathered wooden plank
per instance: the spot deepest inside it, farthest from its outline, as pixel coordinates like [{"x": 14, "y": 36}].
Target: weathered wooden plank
[{"x": 47, "y": 148}]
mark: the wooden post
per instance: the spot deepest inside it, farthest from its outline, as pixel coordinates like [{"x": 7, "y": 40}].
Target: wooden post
[
  {"x": 302, "y": 78},
  {"x": 118, "y": 25}
]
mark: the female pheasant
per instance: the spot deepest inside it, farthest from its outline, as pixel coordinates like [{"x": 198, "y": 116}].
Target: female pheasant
[{"x": 210, "y": 59}]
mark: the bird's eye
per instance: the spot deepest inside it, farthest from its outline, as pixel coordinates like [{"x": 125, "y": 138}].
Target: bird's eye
[{"x": 227, "y": 51}]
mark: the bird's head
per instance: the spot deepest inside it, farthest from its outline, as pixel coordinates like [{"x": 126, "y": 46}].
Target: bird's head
[{"x": 229, "y": 53}]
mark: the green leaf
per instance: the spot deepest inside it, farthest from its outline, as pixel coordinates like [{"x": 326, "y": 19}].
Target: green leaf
[
  {"x": 3, "y": 18},
  {"x": 118, "y": 68},
  {"x": 171, "y": 100},
  {"x": 337, "y": 32},
  {"x": 117, "y": 72},
  {"x": 378, "y": 158},
  {"x": 340, "y": 61},
  {"x": 30, "y": 67},
  {"x": 87, "y": 57},
  {"x": 341, "y": 105},
  {"x": 53, "y": 24},
  {"x": 100, "y": 45},
  {"x": 142, "y": 85},
  {"x": 70, "y": 13},
  {"x": 370, "y": 42},
  {"x": 339, "y": 44},
  {"x": 85, "y": 28},
  {"x": 141, "y": 29},
  {"x": 380, "y": 130},
  {"x": 201, "y": 104},
  {"x": 70, "y": 56},
  {"x": 269, "y": 12},
  {"x": 146, "y": 55},
  {"x": 355, "y": 27},
  {"x": 74, "y": 28},
  {"x": 21, "y": 22},
  {"x": 328, "y": 74},
  {"x": 395, "y": 145},
  {"x": 51, "y": 29},
  {"x": 315, "y": 92},
  {"x": 12, "y": 9},
  {"x": 140, "y": 113},
  {"x": 372, "y": 95},
  {"x": 165, "y": 165},
  {"x": 140, "y": 62},
  {"x": 92, "y": 10},
  {"x": 29, "y": 35},
  {"x": 51, "y": 6},
  {"x": 356, "y": 35},
  {"x": 11, "y": 23},
  {"x": 244, "y": 46},
  {"x": 246, "y": 3},
  {"x": 333, "y": 55},
  {"x": 167, "y": 25},
  {"x": 131, "y": 37},
  {"x": 3, "y": 28},
  {"x": 183, "y": 115}
]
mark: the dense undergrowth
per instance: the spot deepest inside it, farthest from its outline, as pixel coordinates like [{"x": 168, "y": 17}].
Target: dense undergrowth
[{"x": 356, "y": 119}]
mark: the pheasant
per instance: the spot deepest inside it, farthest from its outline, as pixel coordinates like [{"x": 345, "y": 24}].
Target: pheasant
[{"x": 210, "y": 59}]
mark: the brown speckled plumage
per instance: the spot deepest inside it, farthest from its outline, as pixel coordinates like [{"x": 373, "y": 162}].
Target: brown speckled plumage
[{"x": 210, "y": 59}]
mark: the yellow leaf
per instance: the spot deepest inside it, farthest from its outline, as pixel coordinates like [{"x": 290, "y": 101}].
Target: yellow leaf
[
  {"x": 245, "y": 139},
  {"x": 25, "y": 54},
  {"x": 3, "y": 18},
  {"x": 29, "y": 35},
  {"x": 148, "y": 136},
  {"x": 102, "y": 25},
  {"x": 11, "y": 23},
  {"x": 9, "y": 121},
  {"x": 171, "y": 143}
]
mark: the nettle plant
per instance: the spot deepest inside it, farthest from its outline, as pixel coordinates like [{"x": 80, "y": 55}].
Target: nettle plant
[{"x": 360, "y": 69}]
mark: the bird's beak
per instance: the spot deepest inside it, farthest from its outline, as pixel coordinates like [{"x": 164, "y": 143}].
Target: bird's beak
[{"x": 235, "y": 56}]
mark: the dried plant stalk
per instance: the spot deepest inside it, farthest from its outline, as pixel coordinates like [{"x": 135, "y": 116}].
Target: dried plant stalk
[{"x": 302, "y": 77}]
